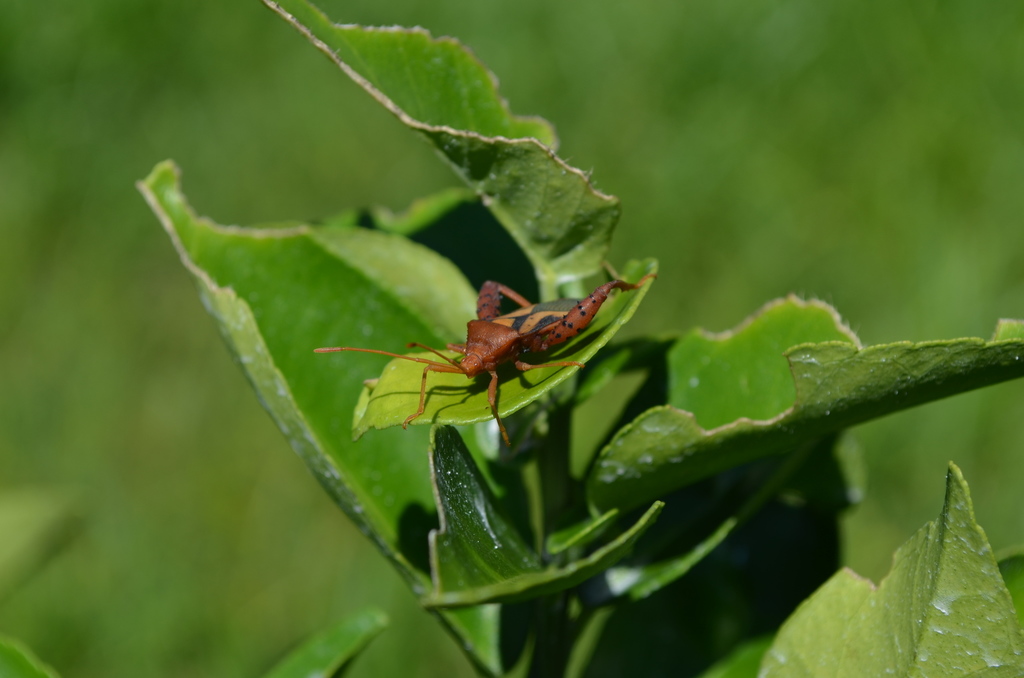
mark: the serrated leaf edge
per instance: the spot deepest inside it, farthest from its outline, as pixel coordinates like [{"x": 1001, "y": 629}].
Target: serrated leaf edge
[
  {"x": 799, "y": 301},
  {"x": 394, "y": 108}
]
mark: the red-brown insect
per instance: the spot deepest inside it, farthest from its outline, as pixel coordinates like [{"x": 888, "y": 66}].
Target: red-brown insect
[{"x": 493, "y": 339}]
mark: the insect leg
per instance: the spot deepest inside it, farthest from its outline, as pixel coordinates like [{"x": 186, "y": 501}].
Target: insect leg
[
  {"x": 492, "y": 398},
  {"x": 434, "y": 367},
  {"x": 488, "y": 302},
  {"x": 522, "y": 367},
  {"x": 431, "y": 366},
  {"x": 576, "y": 320}
]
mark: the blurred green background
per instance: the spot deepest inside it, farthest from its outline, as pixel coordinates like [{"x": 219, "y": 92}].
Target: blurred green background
[{"x": 866, "y": 152}]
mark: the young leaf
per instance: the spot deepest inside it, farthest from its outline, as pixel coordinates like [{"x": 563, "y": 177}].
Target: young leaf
[
  {"x": 748, "y": 586},
  {"x": 278, "y": 293},
  {"x": 453, "y": 399},
  {"x": 17, "y": 661},
  {"x": 833, "y": 385},
  {"x": 436, "y": 87},
  {"x": 642, "y": 580},
  {"x": 943, "y": 610},
  {"x": 477, "y": 555},
  {"x": 581, "y": 533},
  {"x": 743, "y": 662},
  {"x": 328, "y": 653}
]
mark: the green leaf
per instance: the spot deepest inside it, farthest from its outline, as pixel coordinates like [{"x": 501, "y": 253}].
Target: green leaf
[
  {"x": 437, "y": 87},
  {"x": 17, "y": 661},
  {"x": 429, "y": 286},
  {"x": 34, "y": 524},
  {"x": 1011, "y": 566},
  {"x": 328, "y": 653},
  {"x": 426, "y": 81},
  {"x": 690, "y": 625},
  {"x": 640, "y": 581},
  {"x": 453, "y": 399},
  {"x": 476, "y": 545},
  {"x": 833, "y": 385},
  {"x": 743, "y": 662},
  {"x": 581, "y": 533},
  {"x": 278, "y": 293},
  {"x": 743, "y": 373},
  {"x": 478, "y": 556},
  {"x": 943, "y": 610}
]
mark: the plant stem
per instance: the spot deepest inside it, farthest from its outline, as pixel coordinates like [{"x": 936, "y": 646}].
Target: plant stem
[
  {"x": 558, "y": 490},
  {"x": 553, "y": 641},
  {"x": 552, "y": 644}
]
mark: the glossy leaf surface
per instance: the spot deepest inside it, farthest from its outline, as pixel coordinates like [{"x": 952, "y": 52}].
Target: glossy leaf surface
[
  {"x": 478, "y": 556},
  {"x": 943, "y": 610}
]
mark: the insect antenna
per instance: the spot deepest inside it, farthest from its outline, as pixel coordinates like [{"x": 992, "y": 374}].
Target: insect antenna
[
  {"x": 334, "y": 349},
  {"x": 416, "y": 344}
]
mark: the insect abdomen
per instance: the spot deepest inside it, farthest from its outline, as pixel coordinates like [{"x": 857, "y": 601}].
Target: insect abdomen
[{"x": 538, "y": 316}]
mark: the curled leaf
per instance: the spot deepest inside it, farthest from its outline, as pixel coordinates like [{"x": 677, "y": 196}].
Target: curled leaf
[
  {"x": 831, "y": 385},
  {"x": 438, "y": 88},
  {"x": 277, "y": 293},
  {"x": 478, "y": 556}
]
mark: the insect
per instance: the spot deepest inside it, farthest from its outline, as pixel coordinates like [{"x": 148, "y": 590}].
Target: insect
[{"x": 493, "y": 339}]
